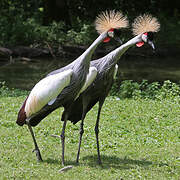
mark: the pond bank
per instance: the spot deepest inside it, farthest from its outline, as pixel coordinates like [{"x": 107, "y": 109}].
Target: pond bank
[
  {"x": 23, "y": 69},
  {"x": 71, "y": 51}
]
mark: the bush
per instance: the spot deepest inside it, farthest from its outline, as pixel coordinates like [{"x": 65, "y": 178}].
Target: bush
[
  {"x": 169, "y": 89},
  {"x": 127, "y": 89},
  {"x": 19, "y": 31},
  {"x": 80, "y": 37},
  {"x": 154, "y": 90},
  {"x": 6, "y": 92},
  {"x": 29, "y": 32}
]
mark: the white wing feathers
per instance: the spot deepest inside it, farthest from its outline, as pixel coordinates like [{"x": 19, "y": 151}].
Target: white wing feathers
[
  {"x": 115, "y": 71},
  {"x": 52, "y": 101},
  {"x": 89, "y": 79},
  {"x": 46, "y": 91}
]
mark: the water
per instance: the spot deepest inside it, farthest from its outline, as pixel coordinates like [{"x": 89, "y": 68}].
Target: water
[
  {"x": 151, "y": 69},
  {"x": 24, "y": 75}
]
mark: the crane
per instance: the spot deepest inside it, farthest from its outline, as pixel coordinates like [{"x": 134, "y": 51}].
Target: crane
[
  {"x": 61, "y": 87},
  {"x": 143, "y": 27}
]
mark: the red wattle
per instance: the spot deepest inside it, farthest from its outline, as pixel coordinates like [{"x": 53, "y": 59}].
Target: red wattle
[
  {"x": 106, "y": 39},
  {"x": 140, "y": 44}
]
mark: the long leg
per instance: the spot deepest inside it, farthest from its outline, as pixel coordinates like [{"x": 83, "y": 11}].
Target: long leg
[
  {"x": 97, "y": 129},
  {"x": 63, "y": 138},
  {"x": 81, "y": 132},
  {"x": 36, "y": 150}
]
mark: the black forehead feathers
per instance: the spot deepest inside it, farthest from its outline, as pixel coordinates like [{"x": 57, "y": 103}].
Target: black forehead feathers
[
  {"x": 117, "y": 32},
  {"x": 150, "y": 36}
]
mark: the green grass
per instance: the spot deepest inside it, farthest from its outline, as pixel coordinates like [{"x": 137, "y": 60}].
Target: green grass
[{"x": 139, "y": 139}]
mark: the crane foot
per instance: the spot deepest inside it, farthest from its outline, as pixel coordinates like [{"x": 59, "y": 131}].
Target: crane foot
[
  {"x": 38, "y": 155},
  {"x": 77, "y": 161},
  {"x": 100, "y": 162}
]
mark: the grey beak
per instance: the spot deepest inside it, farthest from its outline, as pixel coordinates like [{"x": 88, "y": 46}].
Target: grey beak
[
  {"x": 118, "y": 40},
  {"x": 151, "y": 44}
]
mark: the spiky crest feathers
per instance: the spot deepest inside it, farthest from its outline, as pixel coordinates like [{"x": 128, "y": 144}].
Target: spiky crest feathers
[
  {"x": 109, "y": 20},
  {"x": 145, "y": 23}
]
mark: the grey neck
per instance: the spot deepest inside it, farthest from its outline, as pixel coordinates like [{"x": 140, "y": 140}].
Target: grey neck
[
  {"x": 115, "y": 55},
  {"x": 86, "y": 56},
  {"x": 123, "y": 48}
]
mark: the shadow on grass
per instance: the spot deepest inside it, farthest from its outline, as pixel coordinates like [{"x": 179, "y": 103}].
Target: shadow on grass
[
  {"x": 107, "y": 162},
  {"x": 118, "y": 163},
  {"x": 59, "y": 162},
  {"x": 51, "y": 161}
]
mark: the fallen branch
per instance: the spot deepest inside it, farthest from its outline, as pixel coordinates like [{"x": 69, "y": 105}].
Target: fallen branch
[
  {"x": 65, "y": 169},
  {"x": 50, "y": 50},
  {"x": 55, "y": 136},
  {"x": 5, "y": 52}
]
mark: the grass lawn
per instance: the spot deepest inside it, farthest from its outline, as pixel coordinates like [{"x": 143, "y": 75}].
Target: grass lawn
[{"x": 139, "y": 139}]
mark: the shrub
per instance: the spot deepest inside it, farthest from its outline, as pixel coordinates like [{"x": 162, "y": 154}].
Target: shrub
[
  {"x": 154, "y": 90},
  {"x": 127, "y": 89},
  {"x": 6, "y": 92},
  {"x": 19, "y": 31},
  {"x": 80, "y": 37},
  {"x": 29, "y": 32},
  {"x": 169, "y": 90}
]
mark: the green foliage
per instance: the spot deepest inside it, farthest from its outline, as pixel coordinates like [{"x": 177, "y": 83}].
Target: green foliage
[
  {"x": 170, "y": 89},
  {"x": 154, "y": 90},
  {"x": 80, "y": 37},
  {"x": 21, "y": 22},
  {"x": 127, "y": 89},
  {"x": 19, "y": 26},
  {"x": 55, "y": 32},
  {"x": 6, "y": 92},
  {"x": 30, "y": 32}
]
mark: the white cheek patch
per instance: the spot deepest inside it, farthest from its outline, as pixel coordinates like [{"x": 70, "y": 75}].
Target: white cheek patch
[
  {"x": 111, "y": 33},
  {"x": 144, "y": 37},
  {"x": 115, "y": 71}
]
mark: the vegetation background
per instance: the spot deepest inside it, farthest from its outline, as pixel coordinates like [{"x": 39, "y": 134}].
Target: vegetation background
[{"x": 26, "y": 22}]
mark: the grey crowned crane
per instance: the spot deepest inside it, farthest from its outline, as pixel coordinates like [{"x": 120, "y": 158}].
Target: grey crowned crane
[
  {"x": 61, "y": 87},
  {"x": 143, "y": 28}
]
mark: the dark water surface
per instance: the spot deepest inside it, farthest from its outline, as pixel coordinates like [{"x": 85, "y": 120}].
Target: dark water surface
[
  {"x": 25, "y": 75},
  {"x": 151, "y": 69}
]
